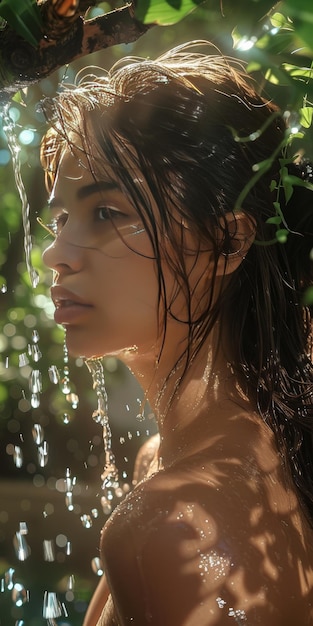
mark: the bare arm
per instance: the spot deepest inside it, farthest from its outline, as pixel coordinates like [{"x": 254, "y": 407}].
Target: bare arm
[
  {"x": 97, "y": 603},
  {"x": 146, "y": 462}
]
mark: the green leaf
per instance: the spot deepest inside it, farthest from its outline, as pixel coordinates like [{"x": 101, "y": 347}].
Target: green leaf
[
  {"x": 164, "y": 12},
  {"x": 301, "y": 12},
  {"x": 308, "y": 296},
  {"x": 306, "y": 116},
  {"x": 23, "y": 17},
  {"x": 274, "y": 220},
  {"x": 281, "y": 235}
]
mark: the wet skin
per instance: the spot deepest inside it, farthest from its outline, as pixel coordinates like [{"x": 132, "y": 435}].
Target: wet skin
[{"x": 217, "y": 536}]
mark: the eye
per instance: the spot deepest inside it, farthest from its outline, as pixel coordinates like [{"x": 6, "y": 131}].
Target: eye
[
  {"x": 55, "y": 226},
  {"x": 58, "y": 222},
  {"x": 105, "y": 213}
]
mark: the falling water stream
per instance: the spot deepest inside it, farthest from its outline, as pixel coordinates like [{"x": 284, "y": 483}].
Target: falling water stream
[
  {"x": 8, "y": 128},
  {"x": 100, "y": 415}
]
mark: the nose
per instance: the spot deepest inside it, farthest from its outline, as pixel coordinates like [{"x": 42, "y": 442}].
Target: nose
[{"x": 63, "y": 257}]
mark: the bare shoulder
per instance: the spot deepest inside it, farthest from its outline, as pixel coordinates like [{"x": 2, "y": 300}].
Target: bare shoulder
[{"x": 191, "y": 547}]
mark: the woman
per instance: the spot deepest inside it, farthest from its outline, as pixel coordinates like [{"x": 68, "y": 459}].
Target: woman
[{"x": 164, "y": 179}]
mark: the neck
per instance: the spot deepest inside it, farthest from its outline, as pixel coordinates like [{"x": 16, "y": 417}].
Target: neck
[{"x": 192, "y": 406}]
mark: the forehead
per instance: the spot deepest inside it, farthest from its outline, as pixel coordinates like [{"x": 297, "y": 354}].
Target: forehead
[{"x": 76, "y": 171}]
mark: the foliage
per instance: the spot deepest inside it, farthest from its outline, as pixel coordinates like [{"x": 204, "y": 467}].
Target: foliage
[{"x": 23, "y": 17}]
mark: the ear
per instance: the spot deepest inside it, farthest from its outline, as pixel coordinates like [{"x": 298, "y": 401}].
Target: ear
[{"x": 240, "y": 233}]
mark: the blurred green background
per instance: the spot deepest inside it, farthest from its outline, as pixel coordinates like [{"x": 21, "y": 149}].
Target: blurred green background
[{"x": 55, "y": 547}]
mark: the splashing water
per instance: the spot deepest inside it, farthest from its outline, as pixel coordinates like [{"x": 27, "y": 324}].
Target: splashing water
[
  {"x": 8, "y": 128},
  {"x": 21, "y": 546},
  {"x": 51, "y": 605},
  {"x": 19, "y": 595},
  {"x": 100, "y": 415}
]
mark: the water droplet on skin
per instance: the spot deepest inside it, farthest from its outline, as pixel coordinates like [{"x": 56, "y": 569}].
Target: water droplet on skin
[
  {"x": 97, "y": 566},
  {"x": 66, "y": 418},
  {"x": 68, "y": 549},
  {"x": 4, "y": 288},
  {"x": 51, "y": 605},
  {"x": 38, "y": 434},
  {"x": 21, "y": 547},
  {"x": 18, "y": 456},
  {"x": 54, "y": 374},
  {"x": 48, "y": 550},
  {"x": 19, "y": 595}
]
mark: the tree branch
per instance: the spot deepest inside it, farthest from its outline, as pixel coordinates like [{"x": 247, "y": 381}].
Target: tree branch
[{"x": 65, "y": 38}]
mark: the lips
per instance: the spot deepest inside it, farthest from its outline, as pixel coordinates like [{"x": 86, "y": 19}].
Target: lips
[{"x": 69, "y": 307}]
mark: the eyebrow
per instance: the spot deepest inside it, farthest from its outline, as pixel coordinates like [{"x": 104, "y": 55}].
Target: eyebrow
[{"x": 85, "y": 192}]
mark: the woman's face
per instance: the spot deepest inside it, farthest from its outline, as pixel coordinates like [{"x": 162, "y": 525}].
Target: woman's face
[{"x": 106, "y": 288}]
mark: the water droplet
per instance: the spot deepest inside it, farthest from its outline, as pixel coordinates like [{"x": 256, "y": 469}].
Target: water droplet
[
  {"x": 97, "y": 566},
  {"x": 19, "y": 595},
  {"x": 23, "y": 528},
  {"x": 36, "y": 353},
  {"x": 22, "y": 549},
  {"x": 140, "y": 417},
  {"x": 35, "y": 400},
  {"x": 69, "y": 501},
  {"x": 66, "y": 388},
  {"x": 35, "y": 336},
  {"x": 48, "y": 550},
  {"x": 71, "y": 583},
  {"x": 38, "y": 434},
  {"x": 95, "y": 513},
  {"x": 51, "y": 605},
  {"x": 66, "y": 418},
  {"x": 23, "y": 359},
  {"x": 122, "y": 440},
  {"x": 9, "y": 578},
  {"x": 35, "y": 382},
  {"x": 73, "y": 399},
  {"x": 68, "y": 549},
  {"x": 43, "y": 454},
  {"x": 54, "y": 374},
  {"x": 86, "y": 521},
  {"x": 4, "y": 288},
  {"x": 18, "y": 456},
  {"x": 106, "y": 506}
]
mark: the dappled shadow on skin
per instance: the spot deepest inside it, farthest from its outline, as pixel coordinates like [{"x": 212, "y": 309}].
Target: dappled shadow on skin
[{"x": 217, "y": 538}]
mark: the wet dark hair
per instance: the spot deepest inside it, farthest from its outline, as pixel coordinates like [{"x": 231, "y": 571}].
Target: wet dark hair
[{"x": 195, "y": 128}]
